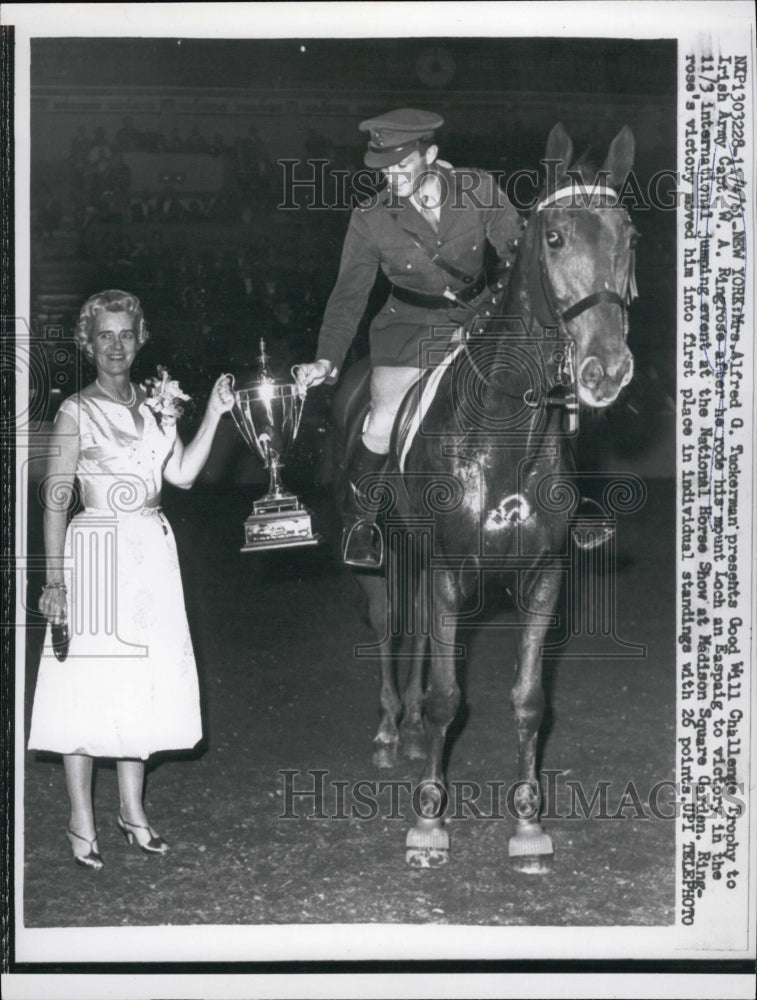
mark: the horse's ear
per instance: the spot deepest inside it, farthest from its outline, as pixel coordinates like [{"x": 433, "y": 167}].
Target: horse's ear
[
  {"x": 559, "y": 148},
  {"x": 620, "y": 156}
]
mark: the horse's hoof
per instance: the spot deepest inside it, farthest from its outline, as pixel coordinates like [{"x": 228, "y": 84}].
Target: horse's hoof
[
  {"x": 413, "y": 744},
  {"x": 531, "y": 851},
  {"x": 427, "y": 844},
  {"x": 426, "y": 857},
  {"x": 532, "y": 864},
  {"x": 385, "y": 755}
]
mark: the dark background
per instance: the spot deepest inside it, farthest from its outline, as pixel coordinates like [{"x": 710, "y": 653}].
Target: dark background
[{"x": 215, "y": 260}]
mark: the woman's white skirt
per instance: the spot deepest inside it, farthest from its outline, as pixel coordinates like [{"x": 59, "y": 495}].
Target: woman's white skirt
[{"x": 129, "y": 685}]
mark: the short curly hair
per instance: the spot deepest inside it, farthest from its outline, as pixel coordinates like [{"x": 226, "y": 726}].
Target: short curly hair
[{"x": 112, "y": 300}]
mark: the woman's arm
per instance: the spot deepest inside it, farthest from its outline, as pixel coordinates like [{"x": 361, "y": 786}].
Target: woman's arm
[
  {"x": 186, "y": 462},
  {"x": 57, "y": 493}
]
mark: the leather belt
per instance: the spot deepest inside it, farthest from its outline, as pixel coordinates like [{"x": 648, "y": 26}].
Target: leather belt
[{"x": 424, "y": 301}]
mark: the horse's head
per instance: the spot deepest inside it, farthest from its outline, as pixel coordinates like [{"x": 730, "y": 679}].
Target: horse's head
[{"x": 584, "y": 280}]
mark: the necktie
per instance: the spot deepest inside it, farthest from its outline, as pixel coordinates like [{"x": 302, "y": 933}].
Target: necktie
[
  {"x": 429, "y": 200},
  {"x": 430, "y": 217}
]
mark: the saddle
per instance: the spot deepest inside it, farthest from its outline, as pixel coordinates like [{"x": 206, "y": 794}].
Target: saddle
[{"x": 356, "y": 405}]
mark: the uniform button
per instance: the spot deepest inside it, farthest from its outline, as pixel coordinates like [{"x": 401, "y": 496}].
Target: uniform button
[
  {"x": 474, "y": 247},
  {"x": 409, "y": 266},
  {"x": 440, "y": 243}
]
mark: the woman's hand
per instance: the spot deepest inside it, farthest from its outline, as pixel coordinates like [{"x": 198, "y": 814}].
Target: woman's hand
[
  {"x": 313, "y": 374},
  {"x": 221, "y": 396},
  {"x": 54, "y": 604}
]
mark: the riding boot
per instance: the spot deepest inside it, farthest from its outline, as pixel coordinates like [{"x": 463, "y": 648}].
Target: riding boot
[
  {"x": 594, "y": 528},
  {"x": 362, "y": 542}
]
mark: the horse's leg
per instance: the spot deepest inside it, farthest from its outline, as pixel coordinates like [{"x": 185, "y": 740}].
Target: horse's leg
[
  {"x": 412, "y": 736},
  {"x": 386, "y": 740},
  {"x": 530, "y": 849},
  {"x": 428, "y": 841}
]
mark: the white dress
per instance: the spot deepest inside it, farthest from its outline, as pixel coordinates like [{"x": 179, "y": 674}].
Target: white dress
[{"x": 129, "y": 685}]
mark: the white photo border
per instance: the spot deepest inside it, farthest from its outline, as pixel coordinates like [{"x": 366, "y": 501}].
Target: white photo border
[{"x": 700, "y": 28}]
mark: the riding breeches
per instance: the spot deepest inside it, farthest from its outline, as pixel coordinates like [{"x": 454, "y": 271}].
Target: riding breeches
[{"x": 388, "y": 388}]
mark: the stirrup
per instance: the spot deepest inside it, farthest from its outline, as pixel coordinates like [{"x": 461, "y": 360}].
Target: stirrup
[
  {"x": 595, "y": 529},
  {"x": 591, "y": 536},
  {"x": 364, "y": 554}
]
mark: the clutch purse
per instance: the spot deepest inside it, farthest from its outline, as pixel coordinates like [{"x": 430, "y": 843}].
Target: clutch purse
[{"x": 60, "y": 638}]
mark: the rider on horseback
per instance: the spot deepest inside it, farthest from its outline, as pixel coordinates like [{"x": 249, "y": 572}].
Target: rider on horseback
[{"x": 428, "y": 232}]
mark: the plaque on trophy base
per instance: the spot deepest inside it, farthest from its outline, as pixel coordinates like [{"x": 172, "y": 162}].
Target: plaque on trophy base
[
  {"x": 267, "y": 416},
  {"x": 276, "y": 524}
]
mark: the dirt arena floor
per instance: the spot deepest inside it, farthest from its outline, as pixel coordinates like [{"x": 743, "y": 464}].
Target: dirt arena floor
[{"x": 283, "y": 692}]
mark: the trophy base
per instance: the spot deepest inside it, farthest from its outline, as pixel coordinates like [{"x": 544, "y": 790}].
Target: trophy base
[{"x": 278, "y": 523}]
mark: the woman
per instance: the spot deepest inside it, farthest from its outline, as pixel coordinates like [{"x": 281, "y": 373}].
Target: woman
[{"x": 128, "y": 686}]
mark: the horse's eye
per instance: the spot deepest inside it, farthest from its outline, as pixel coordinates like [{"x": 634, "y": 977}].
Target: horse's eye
[{"x": 554, "y": 239}]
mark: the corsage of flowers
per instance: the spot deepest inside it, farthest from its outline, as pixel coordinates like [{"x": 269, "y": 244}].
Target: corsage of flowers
[{"x": 165, "y": 398}]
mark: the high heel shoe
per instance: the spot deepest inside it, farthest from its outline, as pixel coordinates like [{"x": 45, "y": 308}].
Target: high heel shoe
[
  {"x": 92, "y": 859},
  {"x": 155, "y": 845}
]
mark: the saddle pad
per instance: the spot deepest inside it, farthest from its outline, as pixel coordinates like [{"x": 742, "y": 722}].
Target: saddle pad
[{"x": 408, "y": 428}]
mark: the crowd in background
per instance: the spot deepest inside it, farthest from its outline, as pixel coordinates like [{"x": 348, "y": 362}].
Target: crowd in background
[
  {"x": 101, "y": 184},
  {"x": 101, "y": 181},
  {"x": 219, "y": 270},
  {"x": 248, "y": 271}
]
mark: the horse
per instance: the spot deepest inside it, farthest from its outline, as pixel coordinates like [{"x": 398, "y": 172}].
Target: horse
[{"x": 481, "y": 462}]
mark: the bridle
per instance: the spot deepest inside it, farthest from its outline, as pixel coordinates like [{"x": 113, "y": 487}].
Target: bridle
[
  {"x": 541, "y": 294},
  {"x": 549, "y": 315},
  {"x": 560, "y": 365}
]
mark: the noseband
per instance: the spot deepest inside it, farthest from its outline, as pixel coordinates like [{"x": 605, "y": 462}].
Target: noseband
[{"x": 541, "y": 293}]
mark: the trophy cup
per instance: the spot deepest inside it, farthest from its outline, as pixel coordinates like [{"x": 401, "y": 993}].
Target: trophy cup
[{"x": 267, "y": 416}]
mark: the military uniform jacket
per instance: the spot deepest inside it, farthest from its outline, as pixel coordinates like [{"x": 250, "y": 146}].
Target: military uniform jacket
[{"x": 473, "y": 210}]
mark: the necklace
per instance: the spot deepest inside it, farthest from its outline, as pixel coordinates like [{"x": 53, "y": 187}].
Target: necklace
[{"x": 117, "y": 399}]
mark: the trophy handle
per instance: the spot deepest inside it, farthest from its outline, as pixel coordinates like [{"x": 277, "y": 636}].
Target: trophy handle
[
  {"x": 249, "y": 437},
  {"x": 301, "y": 389},
  {"x": 302, "y": 393}
]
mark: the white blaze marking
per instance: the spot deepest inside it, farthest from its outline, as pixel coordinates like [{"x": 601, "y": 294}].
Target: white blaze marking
[{"x": 513, "y": 509}]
